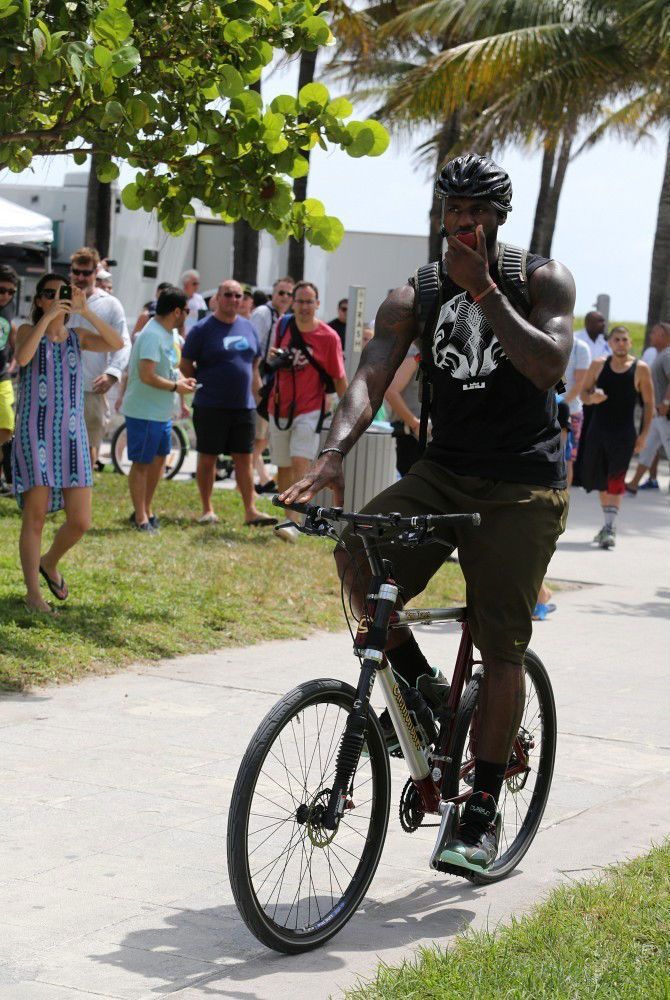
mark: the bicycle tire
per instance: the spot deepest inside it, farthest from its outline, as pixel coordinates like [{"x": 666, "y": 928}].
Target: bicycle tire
[
  {"x": 525, "y": 818},
  {"x": 179, "y": 448},
  {"x": 306, "y": 700}
]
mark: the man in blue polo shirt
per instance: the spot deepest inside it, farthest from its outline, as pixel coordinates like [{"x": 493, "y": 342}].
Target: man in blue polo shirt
[
  {"x": 148, "y": 402},
  {"x": 223, "y": 352}
]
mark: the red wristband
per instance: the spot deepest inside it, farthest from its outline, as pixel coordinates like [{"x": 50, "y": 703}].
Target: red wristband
[{"x": 489, "y": 288}]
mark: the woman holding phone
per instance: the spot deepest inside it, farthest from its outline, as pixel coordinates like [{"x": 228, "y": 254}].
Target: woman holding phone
[{"x": 50, "y": 458}]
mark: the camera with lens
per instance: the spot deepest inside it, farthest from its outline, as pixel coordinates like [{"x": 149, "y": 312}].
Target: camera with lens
[
  {"x": 282, "y": 358},
  {"x": 65, "y": 292}
]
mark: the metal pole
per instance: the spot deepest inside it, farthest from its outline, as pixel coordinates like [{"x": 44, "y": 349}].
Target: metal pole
[{"x": 603, "y": 307}]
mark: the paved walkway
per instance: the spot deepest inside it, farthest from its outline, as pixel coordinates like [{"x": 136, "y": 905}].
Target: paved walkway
[{"x": 114, "y": 798}]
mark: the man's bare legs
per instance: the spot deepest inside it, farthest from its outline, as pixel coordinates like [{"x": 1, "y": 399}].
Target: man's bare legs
[
  {"x": 260, "y": 444},
  {"x": 142, "y": 482},
  {"x": 244, "y": 477},
  {"x": 205, "y": 475}
]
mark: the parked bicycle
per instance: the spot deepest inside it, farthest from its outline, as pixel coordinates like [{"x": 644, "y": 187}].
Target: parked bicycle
[
  {"x": 310, "y": 807},
  {"x": 180, "y": 445}
]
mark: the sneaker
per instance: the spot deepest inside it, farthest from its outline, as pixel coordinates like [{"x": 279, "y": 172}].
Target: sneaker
[
  {"x": 269, "y": 487},
  {"x": 476, "y": 843},
  {"x": 390, "y": 737},
  {"x": 632, "y": 491},
  {"x": 649, "y": 484},
  {"x": 435, "y": 688},
  {"x": 288, "y": 533},
  {"x": 608, "y": 540},
  {"x": 6, "y": 489},
  {"x": 147, "y": 528},
  {"x": 599, "y": 538}
]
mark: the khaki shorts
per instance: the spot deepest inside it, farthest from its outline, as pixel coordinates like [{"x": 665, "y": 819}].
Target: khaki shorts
[
  {"x": 262, "y": 431},
  {"x": 299, "y": 441},
  {"x": 6, "y": 405},
  {"x": 96, "y": 415},
  {"x": 503, "y": 561}
]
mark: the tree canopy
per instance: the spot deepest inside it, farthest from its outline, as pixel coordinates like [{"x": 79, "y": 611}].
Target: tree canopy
[{"x": 168, "y": 88}]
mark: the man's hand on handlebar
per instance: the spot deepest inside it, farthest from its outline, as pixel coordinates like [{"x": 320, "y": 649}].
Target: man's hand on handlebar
[{"x": 326, "y": 472}]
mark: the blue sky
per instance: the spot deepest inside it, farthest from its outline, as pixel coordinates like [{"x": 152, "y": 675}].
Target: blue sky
[{"x": 606, "y": 220}]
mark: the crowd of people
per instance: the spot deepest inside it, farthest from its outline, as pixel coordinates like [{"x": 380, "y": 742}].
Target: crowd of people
[{"x": 258, "y": 372}]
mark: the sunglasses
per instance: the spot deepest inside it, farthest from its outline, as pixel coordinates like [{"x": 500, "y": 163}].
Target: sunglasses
[
  {"x": 4, "y": 290},
  {"x": 232, "y": 295},
  {"x": 88, "y": 271},
  {"x": 283, "y": 293},
  {"x": 48, "y": 293}
]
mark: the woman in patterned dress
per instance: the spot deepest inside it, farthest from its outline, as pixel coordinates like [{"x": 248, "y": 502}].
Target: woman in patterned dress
[{"x": 51, "y": 463}]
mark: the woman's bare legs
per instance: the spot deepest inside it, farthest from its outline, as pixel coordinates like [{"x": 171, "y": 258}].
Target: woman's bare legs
[
  {"x": 78, "y": 502},
  {"x": 35, "y": 506}
]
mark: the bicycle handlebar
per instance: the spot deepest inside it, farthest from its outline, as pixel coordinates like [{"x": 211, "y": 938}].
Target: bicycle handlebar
[{"x": 393, "y": 520}]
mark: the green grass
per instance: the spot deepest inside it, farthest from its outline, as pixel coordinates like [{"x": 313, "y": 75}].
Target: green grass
[
  {"x": 636, "y": 331},
  {"x": 188, "y": 589},
  {"x": 607, "y": 939}
]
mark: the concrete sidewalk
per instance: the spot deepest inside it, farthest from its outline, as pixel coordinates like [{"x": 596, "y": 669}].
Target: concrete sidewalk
[{"x": 115, "y": 792}]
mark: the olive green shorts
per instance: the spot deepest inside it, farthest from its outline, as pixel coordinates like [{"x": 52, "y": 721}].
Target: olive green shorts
[{"x": 503, "y": 561}]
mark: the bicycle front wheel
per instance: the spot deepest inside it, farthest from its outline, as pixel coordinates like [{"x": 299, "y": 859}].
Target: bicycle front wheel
[
  {"x": 524, "y": 795},
  {"x": 295, "y": 882}
]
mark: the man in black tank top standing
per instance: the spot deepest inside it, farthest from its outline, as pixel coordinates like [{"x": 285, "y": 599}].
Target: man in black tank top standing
[
  {"x": 500, "y": 344},
  {"x": 611, "y": 387}
]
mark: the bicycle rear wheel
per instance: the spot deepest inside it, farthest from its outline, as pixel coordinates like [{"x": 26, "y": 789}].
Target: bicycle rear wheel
[
  {"x": 524, "y": 796},
  {"x": 173, "y": 463},
  {"x": 296, "y": 883}
]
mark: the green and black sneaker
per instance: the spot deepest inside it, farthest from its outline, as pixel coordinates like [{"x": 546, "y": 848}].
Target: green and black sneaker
[
  {"x": 475, "y": 845},
  {"x": 425, "y": 699}
]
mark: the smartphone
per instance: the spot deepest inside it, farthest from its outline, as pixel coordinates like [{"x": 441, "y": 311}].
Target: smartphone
[
  {"x": 470, "y": 239},
  {"x": 111, "y": 263},
  {"x": 65, "y": 292}
]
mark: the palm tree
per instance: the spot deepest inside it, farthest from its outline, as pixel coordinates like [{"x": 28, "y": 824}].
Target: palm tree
[
  {"x": 296, "y": 248},
  {"x": 98, "y": 224}
]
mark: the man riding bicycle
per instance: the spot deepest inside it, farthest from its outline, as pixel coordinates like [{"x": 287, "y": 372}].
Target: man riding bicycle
[{"x": 500, "y": 344}]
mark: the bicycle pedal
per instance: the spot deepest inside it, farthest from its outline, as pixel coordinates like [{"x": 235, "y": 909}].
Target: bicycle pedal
[
  {"x": 456, "y": 870},
  {"x": 448, "y": 825}
]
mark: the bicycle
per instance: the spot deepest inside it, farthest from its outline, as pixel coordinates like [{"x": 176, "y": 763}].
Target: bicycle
[
  {"x": 179, "y": 448},
  {"x": 310, "y": 806}
]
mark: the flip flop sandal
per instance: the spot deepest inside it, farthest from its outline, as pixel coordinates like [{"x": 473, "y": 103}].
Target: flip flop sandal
[
  {"x": 60, "y": 591},
  {"x": 262, "y": 522},
  {"x": 39, "y": 611}
]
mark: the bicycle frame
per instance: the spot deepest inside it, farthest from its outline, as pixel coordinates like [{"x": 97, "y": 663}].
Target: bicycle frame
[{"x": 379, "y": 618}]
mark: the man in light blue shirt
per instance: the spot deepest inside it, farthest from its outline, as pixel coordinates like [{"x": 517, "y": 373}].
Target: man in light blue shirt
[{"x": 153, "y": 379}]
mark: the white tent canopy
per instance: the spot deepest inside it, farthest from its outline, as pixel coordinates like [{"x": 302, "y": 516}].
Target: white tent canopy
[{"x": 20, "y": 225}]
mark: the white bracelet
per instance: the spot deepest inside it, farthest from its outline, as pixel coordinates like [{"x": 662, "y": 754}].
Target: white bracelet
[{"x": 324, "y": 451}]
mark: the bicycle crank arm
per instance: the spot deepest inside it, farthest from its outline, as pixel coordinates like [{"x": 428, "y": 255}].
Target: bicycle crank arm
[{"x": 445, "y": 834}]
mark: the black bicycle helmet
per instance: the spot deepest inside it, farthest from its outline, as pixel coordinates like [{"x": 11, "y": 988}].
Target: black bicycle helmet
[{"x": 475, "y": 176}]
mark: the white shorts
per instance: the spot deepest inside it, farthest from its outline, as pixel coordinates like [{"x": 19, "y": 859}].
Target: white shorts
[
  {"x": 299, "y": 441},
  {"x": 658, "y": 437}
]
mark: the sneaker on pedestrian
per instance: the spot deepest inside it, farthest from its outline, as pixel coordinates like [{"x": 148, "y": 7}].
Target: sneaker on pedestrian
[
  {"x": 154, "y": 522},
  {"x": 146, "y": 528},
  {"x": 608, "y": 540},
  {"x": 288, "y": 533},
  {"x": 649, "y": 484},
  {"x": 475, "y": 845},
  {"x": 599, "y": 538},
  {"x": 5, "y": 489}
]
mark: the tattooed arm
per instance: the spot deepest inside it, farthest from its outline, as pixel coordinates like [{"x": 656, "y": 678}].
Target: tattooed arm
[{"x": 395, "y": 328}]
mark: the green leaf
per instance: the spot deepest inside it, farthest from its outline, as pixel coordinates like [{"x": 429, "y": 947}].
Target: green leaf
[
  {"x": 229, "y": 82},
  {"x": 137, "y": 111},
  {"x": 210, "y": 91},
  {"x": 130, "y": 197},
  {"x": 102, "y": 56},
  {"x": 340, "y": 108},
  {"x": 79, "y": 157},
  {"x": 124, "y": 60},
  {"x": 325, "y": 231},
  {"x": 106, "y": 171},
  {"x": 313, "y": 94},
  {"x": 40, "y": 42},
  {"x": 370, "y": 138},
  {"x": 265, "y": 4},
  {"x": 112, "y": 24},
  {"x": 314, "y": 207},
  {"x": 237, "y": 31},
  {"x": 316, "y": 30},
  {"x": 300, "y": 167},
  {"x": 7, "y": 12},
  {"x": 285, "y": 104},
  {"x": 114, "y": 111}
]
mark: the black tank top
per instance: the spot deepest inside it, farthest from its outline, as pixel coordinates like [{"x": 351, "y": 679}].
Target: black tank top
[
  {"x": 616, "y": 413},
  {"x": 488, "y": 419}
]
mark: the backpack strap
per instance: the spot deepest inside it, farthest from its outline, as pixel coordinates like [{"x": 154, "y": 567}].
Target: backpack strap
[
  {"x": 281, "y": 330},
  {"x": 513, "y": 277},
  {"x": 427, "y": 282}
]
